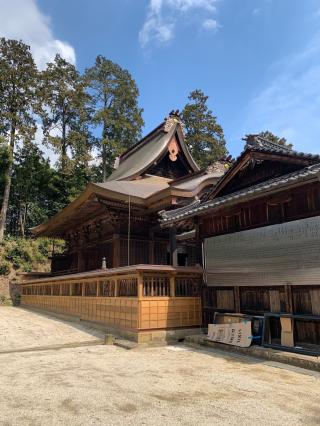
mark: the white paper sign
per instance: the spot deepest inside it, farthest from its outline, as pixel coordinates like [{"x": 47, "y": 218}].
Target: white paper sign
[{"x": 235, "y": 334}]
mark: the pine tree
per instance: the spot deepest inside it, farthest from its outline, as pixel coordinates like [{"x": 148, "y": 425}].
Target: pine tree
[
  {"x": 116, "y": 109},
  {"x": 29, "y": 201},
  {"x": 204, "y": 136},
  {"x": 4, "y": 164},
  {"x": 276, "y": 139},
  {"x": 65, "y": 112},
  {"x": 18, "y": 83}
]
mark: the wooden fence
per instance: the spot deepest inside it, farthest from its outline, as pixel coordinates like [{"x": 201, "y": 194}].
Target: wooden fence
[{"x": 144, "y": 297}]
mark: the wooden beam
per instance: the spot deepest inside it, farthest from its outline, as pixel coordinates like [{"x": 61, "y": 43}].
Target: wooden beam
[
  {"x": 116, "y": 250},
  {"x": 288, "y": 299},
  {"x": 140, "y": 286},
  {"x": 172, "y": 286},
  {"x": 237, "y": 300},
  {"x": 81, "y": 261},
  {"x": 151, "y": 247},
  {"x": 173, "y": 246}
]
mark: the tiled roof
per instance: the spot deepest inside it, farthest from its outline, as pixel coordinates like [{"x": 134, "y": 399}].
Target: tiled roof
[
  {"x": 258, "y": 143},
  {"x": 198, "y": 206}
]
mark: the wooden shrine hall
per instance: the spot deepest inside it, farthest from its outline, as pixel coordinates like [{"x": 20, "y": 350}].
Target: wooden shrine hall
[
  {"x": 260, "y": 230},
  {"x": 121, "y": 267},
  {"x": 118, "y": 219}
]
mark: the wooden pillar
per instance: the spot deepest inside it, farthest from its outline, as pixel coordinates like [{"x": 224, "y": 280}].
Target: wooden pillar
[
  {"x": 151, "y": 248},
  {"x": 172, "y": 286},
  {"x": 116, "y": 250},
  {"x": 83, "y": 289},
  {"x": 115, "y": 288},
  {"x": 237, "y": 302},
  {"x": 140, "y": 286},
  {"x": 173, "y": 246},
  {"x": 70, "y": 289},
  {"x": 98, "y": 289},
  {"x": 81, "y": 261},
  {"x": 288, "y": 299}
]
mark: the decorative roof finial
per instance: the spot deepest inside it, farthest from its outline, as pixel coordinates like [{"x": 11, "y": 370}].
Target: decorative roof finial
[{"x": 174, "y": 118}]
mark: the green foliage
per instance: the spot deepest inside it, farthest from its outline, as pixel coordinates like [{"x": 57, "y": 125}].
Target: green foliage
[
  {"x": 276, "y": 139},
  {"x": 30, "y": 201},
  {"x": 69, "y": 105},
  {"x": 25, "y": 255},
  {"x": 4, "y": 268},
  {"x": 4, "y": 165},
  {"x": 116, "y": 111},
  {"x": 65, "y": 112},
  {"x": 18, "y": 84},
  {"x": 204, "y": 136}
]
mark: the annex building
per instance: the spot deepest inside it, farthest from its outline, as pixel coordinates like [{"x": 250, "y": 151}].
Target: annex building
[{"x": 260, "y": 229}]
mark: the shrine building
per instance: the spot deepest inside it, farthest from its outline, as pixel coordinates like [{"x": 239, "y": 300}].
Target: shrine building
[{"x": 120, "y": 267}]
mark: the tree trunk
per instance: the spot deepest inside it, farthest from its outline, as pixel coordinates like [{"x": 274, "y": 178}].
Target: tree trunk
[
  {"x": 22, "y": 219},
  {"x": 104, "y": 153},
  {"x": 5, "y": 203},
  {"x": 7, "y": 187},
  {"x": 63, "y": 146}
]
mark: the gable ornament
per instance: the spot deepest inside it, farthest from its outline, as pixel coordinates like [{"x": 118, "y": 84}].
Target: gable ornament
[{"x": 173, "y": 149}]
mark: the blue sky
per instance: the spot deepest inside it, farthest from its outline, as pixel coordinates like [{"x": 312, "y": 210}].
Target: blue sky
[{"x": 257, "y": 60}]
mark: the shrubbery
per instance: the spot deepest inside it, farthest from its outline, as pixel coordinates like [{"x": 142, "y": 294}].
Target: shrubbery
[
  {"x": 25, "y": 255},
  {"x": 4, "y": 268}
]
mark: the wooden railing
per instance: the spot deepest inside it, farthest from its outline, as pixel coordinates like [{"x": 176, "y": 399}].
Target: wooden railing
[{"x": 140, "y": 297}]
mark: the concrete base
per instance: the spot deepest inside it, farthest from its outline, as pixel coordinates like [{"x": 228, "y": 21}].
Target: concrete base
[
  {"x": 303, "y": 361},
  {"x": 147, "y": 336}
]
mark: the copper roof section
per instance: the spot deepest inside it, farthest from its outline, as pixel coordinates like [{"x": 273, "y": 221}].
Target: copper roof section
[
  {"x": 131, "y": 178},
  {"x": 139, "y": 158}
]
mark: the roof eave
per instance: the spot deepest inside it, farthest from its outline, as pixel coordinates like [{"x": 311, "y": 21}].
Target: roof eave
[{"x": 201, "y": 210}]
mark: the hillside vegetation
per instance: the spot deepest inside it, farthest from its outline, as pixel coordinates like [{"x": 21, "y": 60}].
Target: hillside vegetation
[{"x": 25, "y": 255}]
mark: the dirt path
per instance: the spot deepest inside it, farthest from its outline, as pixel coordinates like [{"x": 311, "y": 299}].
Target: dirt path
[{"x": 177, "y": 385}]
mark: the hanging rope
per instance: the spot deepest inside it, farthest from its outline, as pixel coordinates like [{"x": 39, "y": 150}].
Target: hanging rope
[{"x": 129, "y": 229}]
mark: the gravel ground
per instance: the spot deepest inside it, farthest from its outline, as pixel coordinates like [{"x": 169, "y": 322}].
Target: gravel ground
[
  {"x": 173, "y": 385},
  {"x": 20, "y": 328}
]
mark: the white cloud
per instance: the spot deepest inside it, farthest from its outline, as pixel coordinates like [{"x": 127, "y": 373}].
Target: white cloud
[
  {"x": 211, "y": 24},
  {"x": 163, "y": 16},
  {"x": 290, "y": 105},
  {"x": 22, "y": 19}
]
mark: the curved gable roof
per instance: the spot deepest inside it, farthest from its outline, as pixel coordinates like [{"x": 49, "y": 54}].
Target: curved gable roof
[
  {"x": 256, "y": 145},
  {"x": 150, "y": 149}
]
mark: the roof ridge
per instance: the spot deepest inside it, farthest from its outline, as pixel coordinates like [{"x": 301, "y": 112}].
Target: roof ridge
[
  {"x": 165, "y": 126},
  {"x": 184, "y": 211},
  {"x": 267, "y": 146},
  {"x": 254, "y": 141}
]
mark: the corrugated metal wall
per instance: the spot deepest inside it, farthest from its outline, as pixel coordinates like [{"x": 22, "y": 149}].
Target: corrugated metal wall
[{"x": 275, "y": 255}]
